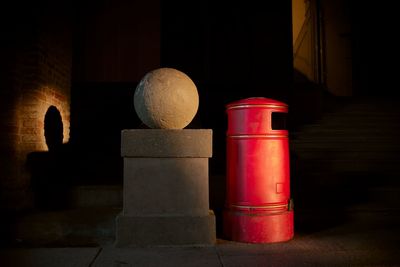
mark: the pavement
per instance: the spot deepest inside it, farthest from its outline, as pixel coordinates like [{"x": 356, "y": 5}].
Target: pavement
[{"x": 364, "y": 239}]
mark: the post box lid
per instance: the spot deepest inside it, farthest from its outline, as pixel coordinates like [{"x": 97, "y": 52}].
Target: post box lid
[{"x": 256, "y": 101}]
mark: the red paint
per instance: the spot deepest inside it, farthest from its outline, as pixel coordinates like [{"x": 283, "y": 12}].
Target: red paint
[{"x": 258, "y": 176}]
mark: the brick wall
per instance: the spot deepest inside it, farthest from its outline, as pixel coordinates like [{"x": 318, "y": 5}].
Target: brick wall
[{"x": 36, "y": 74}]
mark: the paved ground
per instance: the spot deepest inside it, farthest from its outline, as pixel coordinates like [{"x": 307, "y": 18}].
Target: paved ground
[{"x": 367, "y": 239}]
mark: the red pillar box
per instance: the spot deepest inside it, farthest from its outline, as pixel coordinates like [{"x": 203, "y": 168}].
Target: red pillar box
[{"x": 258, "y": 207}]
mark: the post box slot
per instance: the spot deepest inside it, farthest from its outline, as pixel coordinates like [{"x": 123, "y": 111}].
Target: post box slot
[{"x": 279, "y": 121}]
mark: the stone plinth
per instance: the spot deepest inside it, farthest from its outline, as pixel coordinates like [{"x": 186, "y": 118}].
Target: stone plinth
[{"x": 166, "y": 198}]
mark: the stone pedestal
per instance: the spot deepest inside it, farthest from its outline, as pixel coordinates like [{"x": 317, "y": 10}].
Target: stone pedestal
[{"x": 165, "y": 188}]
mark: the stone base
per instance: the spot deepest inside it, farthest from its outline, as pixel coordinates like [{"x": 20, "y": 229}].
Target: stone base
[
  {"x": 165, "y": 198},
  {"x": 165, "y": 231}
]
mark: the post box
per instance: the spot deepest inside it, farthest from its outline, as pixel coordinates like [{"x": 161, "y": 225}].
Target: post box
[{"x": 258, "y": 206}]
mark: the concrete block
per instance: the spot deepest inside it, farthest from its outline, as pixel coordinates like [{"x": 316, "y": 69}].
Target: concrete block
[
  {"x": 168, "y": 186},
  {"x": 162, "y": 143},
  {"x": 165, "y": 195},
  {"x": 165, "y": 230}
]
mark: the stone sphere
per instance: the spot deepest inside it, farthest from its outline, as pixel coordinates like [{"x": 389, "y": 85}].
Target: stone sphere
[{"x": 166, "y": 98}]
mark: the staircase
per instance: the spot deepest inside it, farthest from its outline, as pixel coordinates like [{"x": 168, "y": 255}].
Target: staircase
[{"x": 349, "y": 160}]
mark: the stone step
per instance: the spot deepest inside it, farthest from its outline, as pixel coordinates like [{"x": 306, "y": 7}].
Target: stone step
[
  {"x": 362, "y": 126},
  {"x": 330, "y": 178},
  {"x": 389, "y": 108},
  {"x": 375, "y": 137},
  {"x": 353, "y": 111},
  {"x": 385, "y": 194},
  {"x": 86, "y": 196},
  {"x": 348, "y": 155},
  {"x": 365, "y": 119},
  {"x": 351, "y": 165},
  {"x": 348, "y": 138},
  {"x": 343, "y": 146},
  {"x": 346, "y": 131},
  {"x": 350, "y": 197},
  {"x": 346, "y": 190},
  {"x": 75, "y": 227}
]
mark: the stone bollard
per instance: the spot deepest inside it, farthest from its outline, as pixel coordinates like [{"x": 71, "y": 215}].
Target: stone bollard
[{"x": 166, "y": 201}]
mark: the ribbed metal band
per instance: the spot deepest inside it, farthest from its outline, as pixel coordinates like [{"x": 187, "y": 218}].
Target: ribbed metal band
[
  {"x": 264, "y": 136},
  {"x": 258, "y": 106},
  {"x": 272, "y": 207}
]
